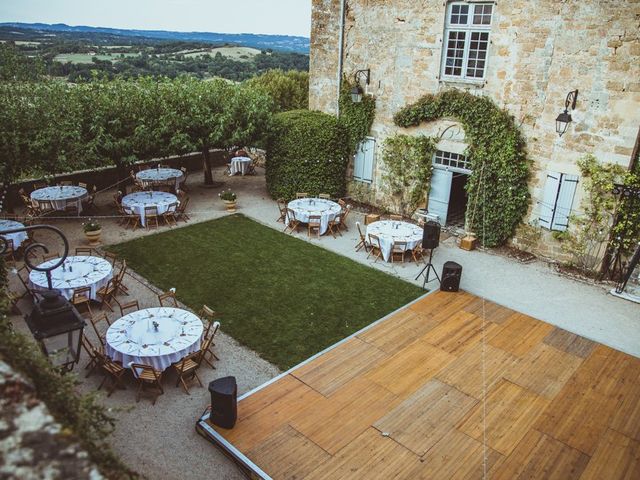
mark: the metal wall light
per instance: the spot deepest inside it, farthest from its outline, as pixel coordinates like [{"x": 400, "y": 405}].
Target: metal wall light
[
  {"x": 356, "y": 91},
  {"x": 564, "y": 119}
]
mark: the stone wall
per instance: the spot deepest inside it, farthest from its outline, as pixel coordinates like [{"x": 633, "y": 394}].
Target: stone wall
[
  {"x": 32, "y": 444},
  {"x": 539, "y": 51}
]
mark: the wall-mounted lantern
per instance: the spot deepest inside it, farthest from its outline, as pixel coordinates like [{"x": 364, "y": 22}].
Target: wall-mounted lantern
[
  {"x": 356, "y": 91},
  {"x": 564, "y": 119}
]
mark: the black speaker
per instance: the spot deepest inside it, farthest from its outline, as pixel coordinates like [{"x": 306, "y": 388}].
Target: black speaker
[
  {"x": 224, "y": 402},
  {"x": 451, "y": 275},
  {"x": 431, "y": 235}
]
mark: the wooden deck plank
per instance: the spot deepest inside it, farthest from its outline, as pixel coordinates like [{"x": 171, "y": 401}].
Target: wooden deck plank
[
  {"x": 569, "y": 342},
  {"x": 410, "y": 368},
  {"x": 425, "y": 417},
  {"x": 519, "y": 334},
  {"x": 369, "y": 456},
  {"x": 335, "y": 368},
  {"x": 544, "y": 370},
  {"x": 492, "y": 311},
  {"x": 288, "y": 454},
  {"x": 510, "y": 412},
  {"x": 335, "y": 421},
  {"x": 459, "y": 333},
  {"x": 626, "y": 417},
  {"x": 616, "y": 457},
  {"x": 466, "y": 372},
  {"x": 540, "y": 456},
  {"x": 582, "y": 410}
]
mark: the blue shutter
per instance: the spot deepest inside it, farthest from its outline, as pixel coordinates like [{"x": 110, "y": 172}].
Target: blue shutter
[
  {"x": 548, "y": 203},
  {"x": 564, "y": 202},
  {"x": 358, "y": 162},
  {"x": 369, "y": 157}
]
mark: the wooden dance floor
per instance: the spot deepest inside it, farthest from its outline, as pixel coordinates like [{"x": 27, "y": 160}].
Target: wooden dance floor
[{"x": 403, "y": 399}]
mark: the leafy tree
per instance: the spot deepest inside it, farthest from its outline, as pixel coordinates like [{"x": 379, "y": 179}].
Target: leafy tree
[
  {"x": 289, "y": 90},
  {"x": 15, "y": 66}
]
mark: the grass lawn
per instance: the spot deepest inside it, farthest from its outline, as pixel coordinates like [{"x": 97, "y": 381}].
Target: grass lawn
[{"x": 282, "y": 297}]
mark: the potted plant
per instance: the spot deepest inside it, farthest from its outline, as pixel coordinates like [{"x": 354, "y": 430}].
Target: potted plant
[
  {"x": 92, "y": 230},
  {"x": 229, "y": 199}
]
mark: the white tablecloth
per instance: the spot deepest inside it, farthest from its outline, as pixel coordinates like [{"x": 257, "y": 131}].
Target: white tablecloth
[
  {"x": 17, "y": 238},
  {"x": 304, "y": 207},
  {"x": 169, "y": 176},
  {"x": 133, "y": 338},
  {"x": 240, "y": 165},
  {"x": 81, "y": 271},
  {"x": 135, "y": 202},
  {"x": 390, "y": 231},
  {"x": 58, "y": 196}
]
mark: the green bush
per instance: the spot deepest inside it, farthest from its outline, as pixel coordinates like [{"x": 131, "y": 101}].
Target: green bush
[{"x": 307, "y": 151}]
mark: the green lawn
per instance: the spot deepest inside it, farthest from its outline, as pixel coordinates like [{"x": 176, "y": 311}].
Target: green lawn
[{"x": 280, "y": 296}]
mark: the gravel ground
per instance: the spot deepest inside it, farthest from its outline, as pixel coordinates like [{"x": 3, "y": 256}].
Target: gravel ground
[{"x": 160, "y": 441}]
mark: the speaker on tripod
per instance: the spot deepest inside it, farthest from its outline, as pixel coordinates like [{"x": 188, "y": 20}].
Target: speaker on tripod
[{"x": 430, "y": 241}]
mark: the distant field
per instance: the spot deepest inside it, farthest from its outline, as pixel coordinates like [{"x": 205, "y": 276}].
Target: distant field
[
  {"x": 234, "y": 53},
  {"x": 86, "y": 58}
]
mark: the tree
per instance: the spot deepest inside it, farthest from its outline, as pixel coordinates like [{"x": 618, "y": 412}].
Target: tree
[
  {"x": 17, "y": 67},
  {"x": 289, "y": 90}
]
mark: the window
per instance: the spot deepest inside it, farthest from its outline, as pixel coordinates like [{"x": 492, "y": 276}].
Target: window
[
  {"x": 557, "y": 200},
  {"x": 363, "y": 160},
  {"x": 449, "y": 159},
  {"x": 466, "y": 40}
]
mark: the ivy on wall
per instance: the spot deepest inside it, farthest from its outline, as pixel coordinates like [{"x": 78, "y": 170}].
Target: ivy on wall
[
  {"x": 357, "y": 118},
  {"x": 497, "y": 189},
  {"x": 407, "y": 175}
]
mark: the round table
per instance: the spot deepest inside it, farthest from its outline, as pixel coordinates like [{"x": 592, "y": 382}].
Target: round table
[
  {"x": 60, "y": 196},
  {"x": 390, "y": 231},
  {"x": 240, "y": 165},
  {"x": 80, "y": 271},
  {"x": 134, "y": 338},
  {"x": 305, "y": 207},
  {"x": 18, "y": 237},
  {"x": 136, "y": 203},
  {"x": 165, "y": 176}
]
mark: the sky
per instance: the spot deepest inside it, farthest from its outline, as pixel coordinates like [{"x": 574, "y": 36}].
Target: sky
[{"x": 286, "y": 17}]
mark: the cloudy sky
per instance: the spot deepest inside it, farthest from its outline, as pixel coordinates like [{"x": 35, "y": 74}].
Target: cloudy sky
[{"x": 287, "y": 17}]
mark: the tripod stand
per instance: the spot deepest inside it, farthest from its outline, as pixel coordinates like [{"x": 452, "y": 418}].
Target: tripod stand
[{"x": 428, "y": 268}]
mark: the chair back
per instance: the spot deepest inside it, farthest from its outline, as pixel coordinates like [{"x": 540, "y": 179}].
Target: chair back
[
  {"x": 314, "y": 220},
  {"x": 84, "y": 251},
  {"x": 83, "y": 185},
  {"x": 183, "y": 204},
  {"x": 324, "y": 196},
  {"x": 81, "y": 294},
  {"x": 395, "y": 217},
  {"x": 172, "y": 207},
  {"x": 110, "y": 257},
  {"x": 139, "y": 368},
  {"x": 375, "y": 241},
  {"x": 360, "y": 232},
  {"x": 345, "y": 214},
  {"x": 399, "y": 246},
  {"x": 282, "y": 205},
  {"x": 342, "y": 203},
  {"x": 211, "y": 330},
  {"x": 302, "y": 195},
  {"x": 9, "y": 243},
  {"x": 291, "y": 214},
  {"x": 169, "y": 298},
  {"x": 150, "y": 211},
  {"x": 129, "y": 307}
]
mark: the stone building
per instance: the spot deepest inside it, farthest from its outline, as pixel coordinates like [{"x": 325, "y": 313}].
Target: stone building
[{"x": 525, "y": 55}]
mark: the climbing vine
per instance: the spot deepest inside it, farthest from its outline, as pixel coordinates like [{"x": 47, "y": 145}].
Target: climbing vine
[
  {"x": 498, "y": 192},
  {"x": 357, "y": 118},
  {"x": 407, "y": 170}
]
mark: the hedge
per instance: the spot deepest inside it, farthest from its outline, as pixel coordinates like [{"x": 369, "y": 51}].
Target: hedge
[{"x": 307, "y": 151}]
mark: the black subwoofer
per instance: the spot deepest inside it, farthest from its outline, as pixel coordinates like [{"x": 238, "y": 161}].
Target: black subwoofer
[
  {"x": 431, "y": 235},
  {"x": 451, "y": 275},
  {"x": 224, "y": 401}
]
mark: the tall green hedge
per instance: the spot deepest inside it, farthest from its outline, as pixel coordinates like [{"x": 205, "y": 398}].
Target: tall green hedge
[{"x": 307, "y": 151}]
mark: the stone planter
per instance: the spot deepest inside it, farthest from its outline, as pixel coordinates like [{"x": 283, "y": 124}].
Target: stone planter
[
  {"x": 93, "y": 237},
  {"x": 230, "y": 205}
]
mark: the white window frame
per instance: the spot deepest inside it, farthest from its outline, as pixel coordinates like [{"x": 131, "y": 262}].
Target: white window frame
[
  {"x": 468, "y": 28},
  {"x": 446, "y": 160},
  {"x": 366, "y": 176}
]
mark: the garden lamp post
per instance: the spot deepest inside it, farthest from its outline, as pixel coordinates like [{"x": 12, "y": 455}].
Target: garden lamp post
[
  {"x": 54, "y": 322},
  {"x": 356, "y": 91},
  {"x": 564, "y": 119}
]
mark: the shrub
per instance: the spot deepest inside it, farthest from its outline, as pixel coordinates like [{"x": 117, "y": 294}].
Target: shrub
[
  {"x": 288, "y": 90},
  {"x": 307, "y": 151}
]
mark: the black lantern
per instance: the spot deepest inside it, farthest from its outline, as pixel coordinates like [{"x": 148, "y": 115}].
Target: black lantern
[
  {"x": 356, "y": 91},
  {"x": 57, "y": 326},
  {"x": 564, "y": 119}
]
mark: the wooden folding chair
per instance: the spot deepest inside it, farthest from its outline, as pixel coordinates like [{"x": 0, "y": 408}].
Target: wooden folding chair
[
  {"x": 376, "y": 248},
  {"x": 110, "y": 257},
  {"x": 363, "y": 243},
  {"x": 89, "y": 202},
  {"x": 71, "y": 207},
  {"x": 120, "y": 286},
  {"x": 343, "y": 217},
  {"x": 82, "y": 298},
  {"x": 93, "y": 353},
  {"x": 23, "y": 276},
  {"x": 417, "y": 253},
  {"x": 107, "y": 294},
  {"x": 129, "y": 307},
  {"x": 181, "y": 213},
  {"x": 39, "y": 185},
  {"x": 185, "y": 175},
  {"x": 187, "y": 369},
  {"x": 168, "y": 299},
  {"x": 66, "y": 183},
  {"x": 314, "y": 223},
  {"x": 291, "y": 222},
  {"x": 207, "y": 347},
  {"x": 151, "y": 216},
  {"x": 10, "y": 251},
  {"x": 169, "y": 216},
  {"x": 333, "y": 225},
  {"x": 96, "y": 321},
  {"x": 147, "y": 376},
  {"x": 83, "y": 185},
  {"x": 395, "y": 217},
  {"x": 282, "y": 207},
  {"x": 324, "y": 196},
  {"x": 114, "y": 372},
  {"x": 398, "y": 248},
  {"x": 84, "y": 251},
  {"x": 302, "y": 195}
]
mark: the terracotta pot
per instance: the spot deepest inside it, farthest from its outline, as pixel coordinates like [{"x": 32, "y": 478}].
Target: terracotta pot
[
  {"x": 230, "y": 205},
  {"x": 93, "y": 237}
]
